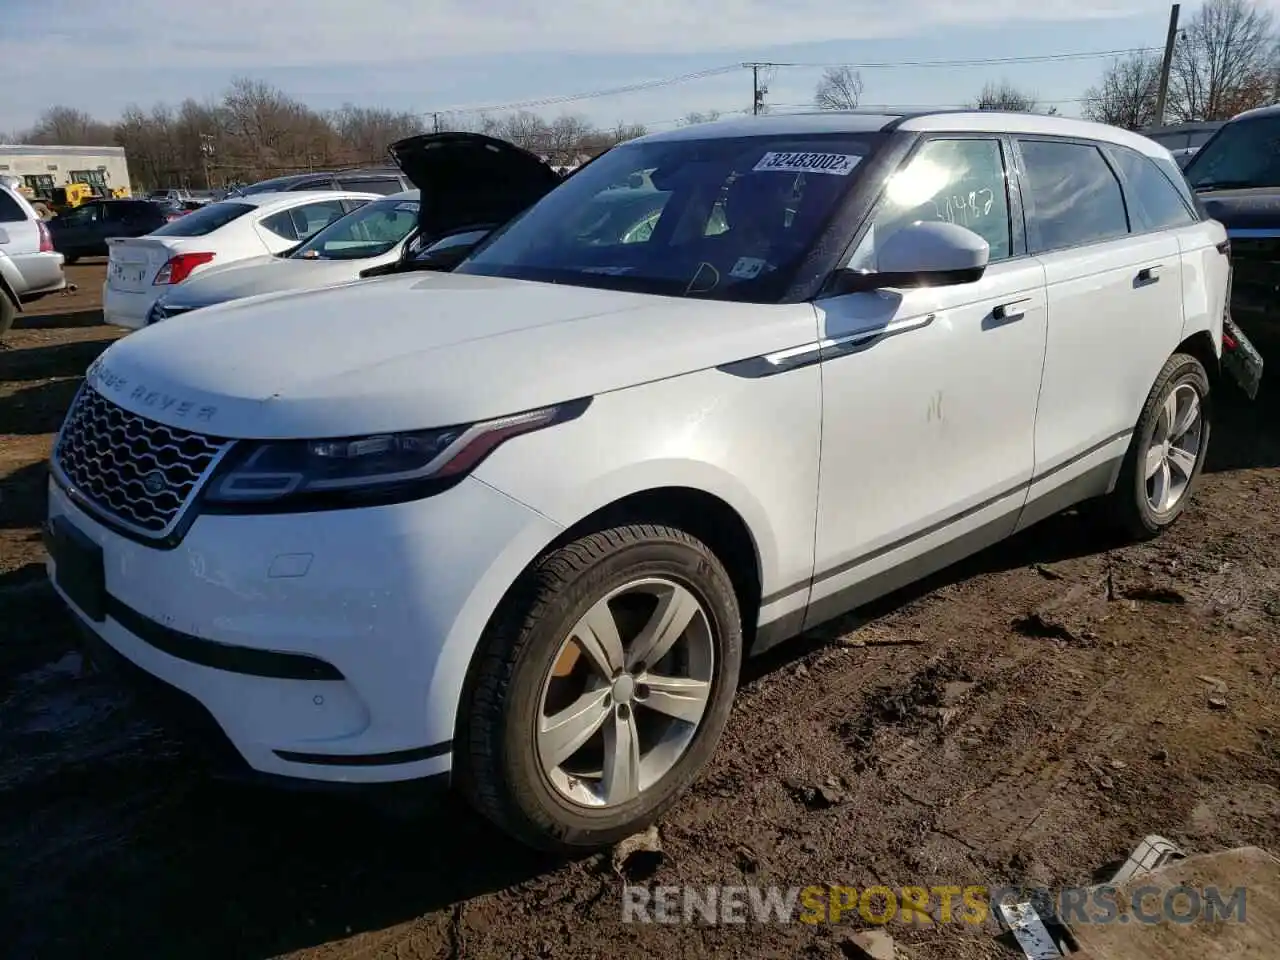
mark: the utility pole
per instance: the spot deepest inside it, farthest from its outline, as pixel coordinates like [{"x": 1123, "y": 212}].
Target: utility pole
[
  {"x": 206, "y": 151},
  {"x": 1170, "y": 42},
  {"x": 757, "y": 92}
]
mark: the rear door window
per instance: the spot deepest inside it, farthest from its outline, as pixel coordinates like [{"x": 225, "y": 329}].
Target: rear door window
[
  {"x": 10, "y": 210},
  {"x": 1074, "y": 197},
  {"x": 204, "y": 221},
  {"x": 300, "y": 223}
]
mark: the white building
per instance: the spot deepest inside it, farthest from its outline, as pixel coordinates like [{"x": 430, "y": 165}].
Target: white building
[{"x": 42, "y": 168}]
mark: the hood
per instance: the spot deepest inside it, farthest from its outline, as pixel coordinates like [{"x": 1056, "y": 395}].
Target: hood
[
  {"x": 420, "y": 351},
  {"x": 1254, "y": 209},
  {"x": 468, "y": 179},
  {"x": 249, "y": 278}
]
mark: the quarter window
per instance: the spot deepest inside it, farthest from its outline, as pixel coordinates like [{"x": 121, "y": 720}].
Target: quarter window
[
  {"x": 1154, "y": 202},
  {"x": 1075, "y": 198},
  {"x": 952, "y": 181}
]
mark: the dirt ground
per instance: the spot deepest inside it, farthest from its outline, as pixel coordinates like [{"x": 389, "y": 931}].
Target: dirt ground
[{"x": 1025, "y": 718}]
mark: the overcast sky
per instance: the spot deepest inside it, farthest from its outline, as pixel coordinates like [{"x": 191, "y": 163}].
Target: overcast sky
[{"x": 426, "y": 55}]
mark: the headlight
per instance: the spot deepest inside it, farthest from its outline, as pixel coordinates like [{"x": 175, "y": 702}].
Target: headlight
[{"x": 371, "y": 468}]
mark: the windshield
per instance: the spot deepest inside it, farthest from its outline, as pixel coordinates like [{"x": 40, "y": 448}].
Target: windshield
[
  {"x": 203, "y": 221},
  {"x": 725, "y": 219},
  {"x": 370, "y": 231},
  {"x": 1243, "y": 154}
]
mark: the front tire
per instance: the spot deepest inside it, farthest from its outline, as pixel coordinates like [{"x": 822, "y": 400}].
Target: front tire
[
  {"x": 601, "y": 688},
  {"x": 1167, "y": 451}
]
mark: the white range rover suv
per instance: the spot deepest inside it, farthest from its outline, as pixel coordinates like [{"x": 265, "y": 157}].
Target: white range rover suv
[{"x": 514, "y": 527}]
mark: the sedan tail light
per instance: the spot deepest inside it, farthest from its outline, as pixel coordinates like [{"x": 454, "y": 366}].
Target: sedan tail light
[
  {"x": 179, "y": 267},
  {"x": 46, "y": 238}
]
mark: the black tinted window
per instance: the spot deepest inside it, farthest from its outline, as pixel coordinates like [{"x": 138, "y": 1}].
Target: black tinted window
[
  {"x": 1075, "y": 198},
  {"x": 132, "y": 210},
  {"x": 1154, "y": 202},
  {"x": 1244, "y": 154},
  {"x": 204, "y": 221},
  {"x": 10, "y": 210},
  {"x": 383, "y": 185}
]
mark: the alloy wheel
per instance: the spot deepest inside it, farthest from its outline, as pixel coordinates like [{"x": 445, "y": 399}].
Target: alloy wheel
[
  {"x": 626, "y": 693},
  {"x": 1174, "y": 449}
]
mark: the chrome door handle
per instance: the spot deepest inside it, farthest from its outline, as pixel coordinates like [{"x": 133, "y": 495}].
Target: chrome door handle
[{"x": 1008, "y": 312}]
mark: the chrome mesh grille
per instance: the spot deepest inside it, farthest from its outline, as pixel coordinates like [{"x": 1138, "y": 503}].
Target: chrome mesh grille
[{"x": 132, "y": 469}]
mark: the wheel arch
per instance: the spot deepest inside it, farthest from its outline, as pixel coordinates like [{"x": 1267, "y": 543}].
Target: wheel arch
[
  {"x": 1201, "y": 346},
  {"x": 7, "y": 291},
  {"x": 702, "y": 514}
]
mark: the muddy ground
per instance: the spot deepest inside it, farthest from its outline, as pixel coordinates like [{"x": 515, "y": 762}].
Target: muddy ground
[{"x": 1027, "y": 717}]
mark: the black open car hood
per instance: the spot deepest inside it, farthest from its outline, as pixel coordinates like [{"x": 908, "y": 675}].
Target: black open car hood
[{"x": 469, "y": 180}]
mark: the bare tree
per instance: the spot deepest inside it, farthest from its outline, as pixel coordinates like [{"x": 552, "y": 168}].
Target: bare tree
[
  {"x": 255, "y": 130},
  {"x": 565, "y": 136},
  {"x": 1225, "y": 62},
  {"x": 524, "y": 129},
  {"x": 695, "y": 117},
  {"x": 71, "y": 127},
  {"x": 1005, "y": 96},
  {"x": 1126, "y": 95},
  {"x": 839, "y": 89},
  {"x": 366, "y": 132},
  {"x": 627, "y": 131}
]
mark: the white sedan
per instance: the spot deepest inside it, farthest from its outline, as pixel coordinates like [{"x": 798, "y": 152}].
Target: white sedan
[{"x": 141, "y": 269}]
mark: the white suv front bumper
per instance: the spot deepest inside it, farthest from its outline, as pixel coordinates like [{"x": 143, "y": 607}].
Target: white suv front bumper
[{"x": 327, "y": 646}]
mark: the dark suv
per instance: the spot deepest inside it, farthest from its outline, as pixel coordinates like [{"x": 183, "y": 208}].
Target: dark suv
[
  {"x": 83, "y": 232},
  {"x": 384, "y": 180},
  {"x": 1236, "y": 176}
]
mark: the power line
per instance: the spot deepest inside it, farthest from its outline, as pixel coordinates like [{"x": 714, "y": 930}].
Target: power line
[
  {"x": 594, "y": 94},
  {"x": 976, "y": 62},
  {"x": 761, "y": 65}
]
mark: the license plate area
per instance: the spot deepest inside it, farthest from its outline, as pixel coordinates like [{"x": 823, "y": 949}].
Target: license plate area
[
  {"x": 78, "y": 568},
  {"x": 1244, "y": 362},
  {"x": 127, "y": 275}
]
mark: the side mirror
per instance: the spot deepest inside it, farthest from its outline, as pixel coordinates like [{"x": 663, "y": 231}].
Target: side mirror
[{"x": 922, "y": 254}]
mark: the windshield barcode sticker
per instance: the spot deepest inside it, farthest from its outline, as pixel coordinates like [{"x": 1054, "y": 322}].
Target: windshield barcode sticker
[{"x": 840, "y": 164}]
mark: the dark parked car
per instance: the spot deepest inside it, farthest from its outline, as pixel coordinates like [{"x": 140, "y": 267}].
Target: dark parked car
[
  {"x": 384, "y": 180},
  {"x": 83, "y": 232},
  {"x": 1236, "y": 177}
]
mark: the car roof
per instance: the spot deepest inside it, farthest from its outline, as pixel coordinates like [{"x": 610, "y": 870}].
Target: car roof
[
  {"x": 293, "y": 198},
  {"x": 1270, "y": 111},
  {"x": 414, "y": 194},
  {"x": 372, "y": 173},
  {"x": 859, "y": 121}
]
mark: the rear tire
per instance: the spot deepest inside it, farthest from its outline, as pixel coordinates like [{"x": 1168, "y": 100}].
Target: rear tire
[
  {"x": 1166, "y": 453},
  {"x": 534, "y": 669},
  {"x": 7, "y": 313}
]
